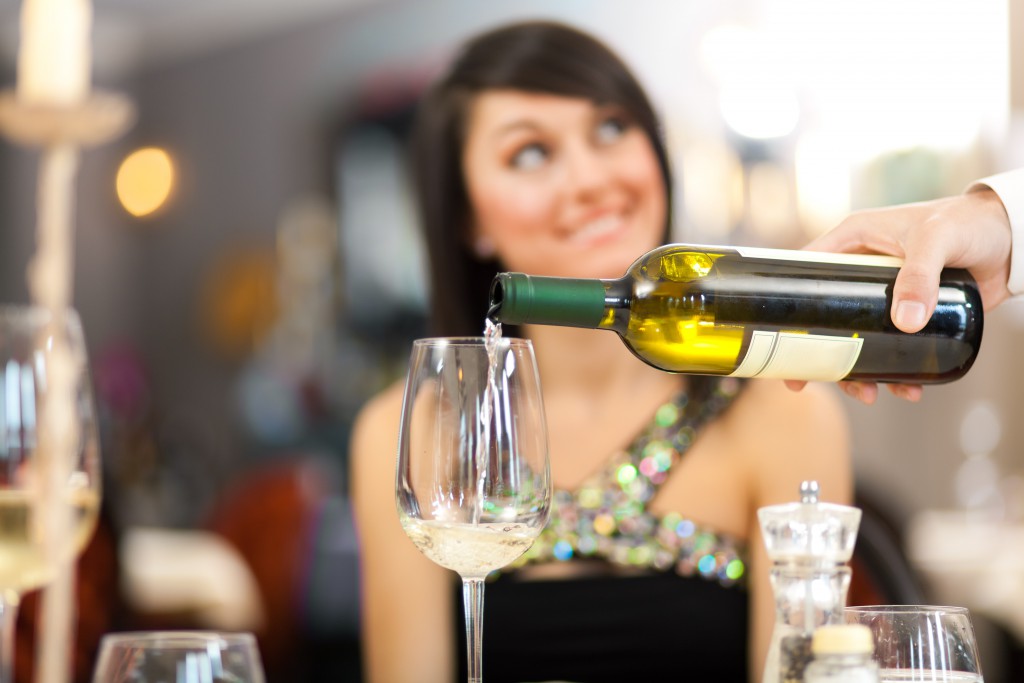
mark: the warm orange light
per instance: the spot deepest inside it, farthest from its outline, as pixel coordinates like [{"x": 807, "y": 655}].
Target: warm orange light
[{"x": 145, "y": 180}]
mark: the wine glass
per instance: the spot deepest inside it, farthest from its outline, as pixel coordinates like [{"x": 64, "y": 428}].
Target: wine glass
[
  {"x": 178, "y": 657},
  {"x": 49, "y": 455},
  {"x": 473, "y": 480},
  {"x": 921, "y": 642}
]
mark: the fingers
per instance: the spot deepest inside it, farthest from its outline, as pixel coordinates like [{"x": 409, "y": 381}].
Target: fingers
[
  {"x": 913, "y": 300},
  {"x": 865, "y": 392},
  {"x": 917, "y": 285},
  {"x": 908, "y": 392},
  {"x": 795, "y": 384}
]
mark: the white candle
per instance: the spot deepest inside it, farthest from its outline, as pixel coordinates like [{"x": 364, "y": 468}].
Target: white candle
[{"x": 54, "y": 59}]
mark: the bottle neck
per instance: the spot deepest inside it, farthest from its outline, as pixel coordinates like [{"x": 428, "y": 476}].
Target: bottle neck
[{"x": 517, "y": 298}]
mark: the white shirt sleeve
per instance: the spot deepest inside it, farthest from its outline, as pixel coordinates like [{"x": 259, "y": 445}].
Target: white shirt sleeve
[{"x": 1010, "y": 188}]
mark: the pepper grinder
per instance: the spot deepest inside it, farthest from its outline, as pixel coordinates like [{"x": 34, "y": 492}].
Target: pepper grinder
[{"x": 809, "y": 544}]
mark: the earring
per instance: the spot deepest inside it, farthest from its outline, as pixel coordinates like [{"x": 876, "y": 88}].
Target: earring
[{"x": 484, "y": 248}]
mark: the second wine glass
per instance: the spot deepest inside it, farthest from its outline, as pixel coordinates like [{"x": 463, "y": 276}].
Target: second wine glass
[
  {"x": 473, "y": 480},
  {"x": 179, "y": 657},
  {"x": 49, "y": 452},
  {"x": 926, "y": 643}
]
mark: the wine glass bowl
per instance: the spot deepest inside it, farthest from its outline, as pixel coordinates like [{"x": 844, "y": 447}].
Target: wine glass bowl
[
  {"x": 49, "y": 454},
  {"x": 178, "y": 657},
  {"x": 921, "y": 642},
  {"x": 472, "y": 479}
]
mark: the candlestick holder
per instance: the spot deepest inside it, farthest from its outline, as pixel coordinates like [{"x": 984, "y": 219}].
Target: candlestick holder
[
  {"x": 101, "y": 117},
  {"x": 58, "y": 131}
]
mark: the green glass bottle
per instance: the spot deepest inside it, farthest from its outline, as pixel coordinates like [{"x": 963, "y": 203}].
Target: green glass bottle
[{"x": 759, "y": 313}]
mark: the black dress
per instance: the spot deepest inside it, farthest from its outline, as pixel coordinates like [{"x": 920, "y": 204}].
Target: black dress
[{"x": 658, "y": 598}]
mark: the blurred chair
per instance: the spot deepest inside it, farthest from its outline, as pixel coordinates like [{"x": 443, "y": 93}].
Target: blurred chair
[
  {"x": 882, "y": 573},
  {"x": 192, "y": 574},
  {"x": 281, "y": 517}
]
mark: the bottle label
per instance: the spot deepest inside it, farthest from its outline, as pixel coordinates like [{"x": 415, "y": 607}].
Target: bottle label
[
  {"x": 820, "y": 257},
  {"x": 795, "y": 355}
]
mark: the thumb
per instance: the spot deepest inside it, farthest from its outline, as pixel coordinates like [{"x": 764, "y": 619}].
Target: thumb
[{"x": 915, "y": 292}]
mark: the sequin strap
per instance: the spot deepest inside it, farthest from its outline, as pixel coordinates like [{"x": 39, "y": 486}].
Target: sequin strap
[{"x": 607, "y": 517}]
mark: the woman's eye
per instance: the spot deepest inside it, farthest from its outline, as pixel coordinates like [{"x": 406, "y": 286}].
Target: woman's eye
[
  {"x": 530, "y": 157},
  {"x": 611, "y": 129}
]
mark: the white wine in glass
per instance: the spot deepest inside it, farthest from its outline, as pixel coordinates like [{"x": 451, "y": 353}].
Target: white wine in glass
[
  {"x": 473, "y": 480},
  {"x": 31, "y": 342}
]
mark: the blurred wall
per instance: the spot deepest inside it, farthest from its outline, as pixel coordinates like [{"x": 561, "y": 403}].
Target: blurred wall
[
  {"x": 254, "y": 126},
  {"x": 1016, "y": 29}
]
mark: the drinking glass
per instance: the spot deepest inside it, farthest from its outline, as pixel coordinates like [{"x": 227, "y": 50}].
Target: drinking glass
[
  {"x": 473, "y": 480},
  {"x": 49, "y": 456},
  {"x": 178, "y": 657},
  {"x": 921, "y": 642}
]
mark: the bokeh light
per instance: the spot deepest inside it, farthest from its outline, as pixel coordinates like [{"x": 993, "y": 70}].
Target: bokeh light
[{"x": 145, "y": 180}]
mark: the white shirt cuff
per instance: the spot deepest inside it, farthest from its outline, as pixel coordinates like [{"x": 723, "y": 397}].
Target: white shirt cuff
[{"x": 1010, "y": 188}]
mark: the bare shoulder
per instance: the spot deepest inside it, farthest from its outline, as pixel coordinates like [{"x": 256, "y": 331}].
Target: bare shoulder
[
  {"x": 375, "y": 438},
  {"x": 788, "y": 436},
  {"x": 383, "y": 409},
  {"x": 405, "y": 622}
]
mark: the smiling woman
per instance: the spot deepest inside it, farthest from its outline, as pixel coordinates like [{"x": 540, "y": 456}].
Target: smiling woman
[
  {"x": 559, "y": 182},
  {"x": 539, "y": 151}
]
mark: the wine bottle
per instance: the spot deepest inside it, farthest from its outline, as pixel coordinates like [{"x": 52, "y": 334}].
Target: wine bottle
[{"x": 759, "y": 313}]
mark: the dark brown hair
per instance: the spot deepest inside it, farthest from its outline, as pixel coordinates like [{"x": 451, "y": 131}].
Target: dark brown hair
[{"x": 540, "y": 57}]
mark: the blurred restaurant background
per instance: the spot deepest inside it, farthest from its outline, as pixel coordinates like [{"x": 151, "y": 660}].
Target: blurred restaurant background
[{"x": 248, "y": 269}]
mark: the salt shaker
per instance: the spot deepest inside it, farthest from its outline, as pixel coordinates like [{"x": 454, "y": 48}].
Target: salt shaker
[
  {"x": 842, "y": 654},
  {"x": 809, "y": 544}
]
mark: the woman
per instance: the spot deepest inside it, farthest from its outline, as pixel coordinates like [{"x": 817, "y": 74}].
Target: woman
[{"x": 539, "y": 152}]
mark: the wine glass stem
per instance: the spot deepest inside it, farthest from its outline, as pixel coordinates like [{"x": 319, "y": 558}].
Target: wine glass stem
[
  {"x": 8, "y": 623},
  {"x": 473, "y": 603}
]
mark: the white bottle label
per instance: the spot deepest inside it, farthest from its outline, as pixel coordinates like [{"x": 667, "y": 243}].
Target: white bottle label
[{"x": 794, "y": 355}]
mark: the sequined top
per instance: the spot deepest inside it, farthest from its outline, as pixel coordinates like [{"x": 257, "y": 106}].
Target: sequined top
[{"x": 607, "y": 517}]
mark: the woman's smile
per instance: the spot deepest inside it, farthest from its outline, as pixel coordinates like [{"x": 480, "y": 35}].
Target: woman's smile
[{"x": 561, "y": 185}]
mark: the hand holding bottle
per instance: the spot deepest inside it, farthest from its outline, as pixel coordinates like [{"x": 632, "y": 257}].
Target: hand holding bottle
[
  {"x": 970, "y": 231},
  {"x": 760, "y": 313}
]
